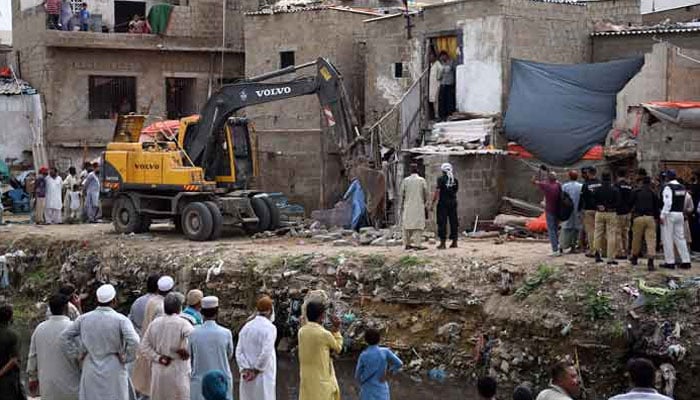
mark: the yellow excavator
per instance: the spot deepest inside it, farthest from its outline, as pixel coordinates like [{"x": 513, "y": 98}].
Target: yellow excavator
[{"x": 201, "y": 179}]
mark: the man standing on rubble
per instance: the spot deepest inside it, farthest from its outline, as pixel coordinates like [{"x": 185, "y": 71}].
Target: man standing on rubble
[
  {"x": 673, "y": 223},
  {"x": 624, "y": 210},
  {"x": 318, "y": 381},
  {"x": 588, "y": 205},
  {"x": 571, "y": 228},
  {"x": 54, "y": 198},
  {"x": 551, "y": 190},
  {"x": 106, "y": 341},
  {"x": 255, "y": 354},
  {"x": 211, "y": 349},
  {"x": 414, "y": 193},
  {"x": 607, "y": 198},
  {"x": 446, "y": 198},
  {"x": 92, "y": 194}
]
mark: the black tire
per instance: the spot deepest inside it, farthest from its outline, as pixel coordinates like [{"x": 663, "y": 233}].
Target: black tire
[
  {"x": 145, "y": 225},
  {"x": 217, "y": 219},
  {"x": 177, "y": 221},
  {"x": 262, "y": 212},
  {"x": 274, "y": 214},
  {"x": 124, "y": 216},
  {"x": 197, "y": 221}
]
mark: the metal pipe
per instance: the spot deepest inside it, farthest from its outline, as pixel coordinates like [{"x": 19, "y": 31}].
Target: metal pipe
[{"x": 280, "y": 72}]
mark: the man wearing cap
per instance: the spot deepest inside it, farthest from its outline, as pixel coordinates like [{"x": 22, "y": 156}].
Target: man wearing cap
[
  {"x": 211, "y": 348},
  {"x": 141, "y": 375},
  {"x": 165, "y": 345},
  {"x": 255, "y": 354},
  {"x": 105, "y": 340},
  {"x": 194, "y": 304},
  {"x": 673, "y": 223}
]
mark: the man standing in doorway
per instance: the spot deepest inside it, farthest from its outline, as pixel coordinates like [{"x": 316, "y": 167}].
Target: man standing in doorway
[
  {"x": 551, "y": 190},
  {"x": 255, "y": 354},
  {"x": 624, "y": 210},
  {"x": 607, "y": 197},
  {"x": 446, "y": 96},
  {"x": 588, "y": 204},
  {"x": 211, "y": 349},
  {"x": 672, "y": 222},
  {"x": 107, "y": 341},
  {"x": 54, "y": 198},
  {"x": 433, "y": 85},
  {"x": 571, "y": 228},
  {"x": 414, "y": 193},
  {"x": 318, "y": 381},
  {"x": 446, "y": 198}
]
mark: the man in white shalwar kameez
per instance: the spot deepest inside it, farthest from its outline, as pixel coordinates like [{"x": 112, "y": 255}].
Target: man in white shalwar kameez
[
  {"x": 107, "y": 341},
  {"x": 414, "y": 192},
  {"x": 54, "y": 197},
  {"x": 92, "y": 195},
  {"x": 52, "y": 373},
  {"x": 255, "y": 354},
  {"x": 165, "y": 345},
  {"x": 141, "y": 374},
  {"x": 68, "y": 183}
]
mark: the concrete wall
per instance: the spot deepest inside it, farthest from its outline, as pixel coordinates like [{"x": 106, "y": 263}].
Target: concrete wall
[
  {"x": 480, "y": 184},
  {"x": 290, "y": 163},
  {"x": 684, "y": 75},
  {"x": 683, "y": 14},
  {"x": 606, "y": 48},
  {"x": 621, "y": 12},
  {"x": 15, "y": 133},
  {"x": 666, "y": 141},
  {"x": 309, "y": 34}
]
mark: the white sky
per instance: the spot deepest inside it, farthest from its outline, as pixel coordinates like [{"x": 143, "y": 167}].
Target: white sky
[
  {"x": 649, "y": 6},
  {"x": 5, "y": 21}
]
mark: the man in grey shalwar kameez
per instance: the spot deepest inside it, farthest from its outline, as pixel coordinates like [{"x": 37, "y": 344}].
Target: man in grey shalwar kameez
[
  {"x": 92, "y": 195},
  {"x": 108, "y": 341}
]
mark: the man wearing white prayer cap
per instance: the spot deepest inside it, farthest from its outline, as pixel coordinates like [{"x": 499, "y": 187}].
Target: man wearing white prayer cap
[
  {"x": 445, "y": 196},
  {"x": 211, "y": 348},
  {"x": 141, "y": 375},
  {"x": 108, "y": 341}
]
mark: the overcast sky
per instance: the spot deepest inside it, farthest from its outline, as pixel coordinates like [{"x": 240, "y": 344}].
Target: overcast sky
[{"x": 5, "y": 16}]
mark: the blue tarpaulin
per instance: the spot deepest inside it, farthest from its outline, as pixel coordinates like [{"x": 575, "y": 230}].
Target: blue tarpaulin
[{"x": 558, "y": 112}]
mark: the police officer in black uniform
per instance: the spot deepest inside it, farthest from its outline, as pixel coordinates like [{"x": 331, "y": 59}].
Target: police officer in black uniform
[{"x": 588, "y": 204}]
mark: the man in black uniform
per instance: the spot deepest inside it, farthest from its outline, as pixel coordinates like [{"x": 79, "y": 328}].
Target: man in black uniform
[
  {"x": 645, "y": 211},
  {"x": 607, "y": 200},
  {"x": 588, "y": 205},
  {"x": 446, "y": 198},
  {"x": 623, "y": 214}
]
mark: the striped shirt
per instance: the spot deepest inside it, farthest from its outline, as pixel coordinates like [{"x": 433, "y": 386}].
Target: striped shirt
[
  {"x": 641, "y": 394},
  {"x": 53, "y": 7}
]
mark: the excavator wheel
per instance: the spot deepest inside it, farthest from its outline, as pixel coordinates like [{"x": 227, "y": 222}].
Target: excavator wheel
[
  {"x": 262, "y": 211},
  {"x": 274, "y": 214},
  {"x": 125, "y": 218},
  {"x": 197, "y": 221},
  {"x": 217, "y": 219}
]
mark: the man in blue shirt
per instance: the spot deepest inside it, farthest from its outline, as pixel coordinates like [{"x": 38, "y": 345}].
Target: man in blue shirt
[
  {"x": 372, "y": 368},
  {"x": 211, "y": 348},
  {"x": 194, "y": 306}
]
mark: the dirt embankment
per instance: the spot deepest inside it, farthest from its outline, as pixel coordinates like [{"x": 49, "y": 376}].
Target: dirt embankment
[{"x": 504, "y": 309}]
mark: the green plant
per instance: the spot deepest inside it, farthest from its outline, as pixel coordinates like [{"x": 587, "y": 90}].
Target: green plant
[
  {"x": 375, "y": 261},
  {"x": 410, "y": 261},
  {"x": 668, "y": 303},
  {"x": 301, "y": 262},
  {"x": 617, "y": 330},
  {"x": 598, "y": 305},
  {"x": 543, "y": 274}
]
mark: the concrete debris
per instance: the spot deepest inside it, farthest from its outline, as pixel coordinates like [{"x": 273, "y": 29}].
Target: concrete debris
[{"x": 666, "y": 379}]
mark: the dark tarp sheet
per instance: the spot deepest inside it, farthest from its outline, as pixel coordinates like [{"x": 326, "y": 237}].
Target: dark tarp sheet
[{"x": 558, "y": 112}]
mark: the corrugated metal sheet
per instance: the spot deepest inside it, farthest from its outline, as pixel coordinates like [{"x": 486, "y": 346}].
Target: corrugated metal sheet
[
  {"x": 648, "y": 31},
  {"x": 9, "y": 87},
  {"x": 453, "y": 151},
  {"x": 296, "y": 9}
]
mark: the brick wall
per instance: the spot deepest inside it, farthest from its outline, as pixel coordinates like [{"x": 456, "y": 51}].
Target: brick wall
[
  {"x": 666, "y": 141},
  {"x": 291, "y": 163},
  {"x": 684, "y": 76},
  {"x": 332, "y": 34},
  {"x": 606, "y": 48},
  {"x": 622, "y": 12}
]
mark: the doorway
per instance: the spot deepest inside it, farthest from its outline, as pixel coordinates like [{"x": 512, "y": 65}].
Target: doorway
[
  {"x": 179, "y": 95},
  {"x": 124, "y": 11},
  {"x": 444, "y": 54}
]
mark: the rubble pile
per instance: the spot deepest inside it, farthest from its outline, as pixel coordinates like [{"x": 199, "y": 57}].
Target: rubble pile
[{"x": 446, "y": 317}]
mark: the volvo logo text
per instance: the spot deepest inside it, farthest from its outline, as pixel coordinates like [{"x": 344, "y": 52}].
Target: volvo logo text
[{"x": 273, "y": 91}]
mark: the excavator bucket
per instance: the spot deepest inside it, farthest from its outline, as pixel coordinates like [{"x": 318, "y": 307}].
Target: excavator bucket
[{"x": 128, "y": 128}]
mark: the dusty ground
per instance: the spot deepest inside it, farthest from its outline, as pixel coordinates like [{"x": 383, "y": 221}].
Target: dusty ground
[{"x": 468, "y": 311}]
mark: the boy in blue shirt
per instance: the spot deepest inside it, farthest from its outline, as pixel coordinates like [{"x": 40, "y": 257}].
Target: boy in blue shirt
[
  {"x": 84, "y": 18},
  {"x": 372, "y": 368}
]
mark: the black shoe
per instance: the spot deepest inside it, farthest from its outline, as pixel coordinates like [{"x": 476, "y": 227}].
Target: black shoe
[
  {"x": 589, "y": 255},
  {"x": 408, "y": 247},
  {"x": 612, "y": 262},
  {"x": 668, "y": 266},
  {"x": 621, "y": 257},
  {"x": 454, "y": 244},
  {"x": 634, "y": 260},
  {"x": 442, "y": 245},
  {"x": 650, "y": 264},
  {"x": 685, "y": 266},
  {"x": 598, "y": 258}
]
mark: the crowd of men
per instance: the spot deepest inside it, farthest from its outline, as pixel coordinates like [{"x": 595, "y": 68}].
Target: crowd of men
[
  {"x": 170, "y": 347},
  {"x": 57, "y": 200},
  {"x": 606, "y": 210}
]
